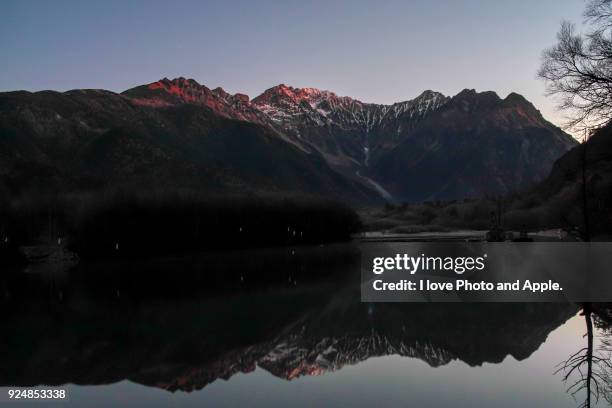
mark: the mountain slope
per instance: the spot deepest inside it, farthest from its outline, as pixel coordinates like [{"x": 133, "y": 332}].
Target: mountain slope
[
  {"x": 180, "y": 91},
  {"x": 561, "y": 199},
  {"x": 431, "y": 147},
  {"x": 90, "y": 139},
  {"x": 474, "y": 145},
  {"x": 345, "y": 130},
  {"x": 182, "y": 134}
]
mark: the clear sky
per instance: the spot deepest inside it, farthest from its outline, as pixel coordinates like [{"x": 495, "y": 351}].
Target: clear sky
[{"x": 376, "y": 51}]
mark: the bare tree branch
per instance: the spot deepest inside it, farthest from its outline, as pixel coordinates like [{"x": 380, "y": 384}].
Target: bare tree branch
[{"x": 578, "y": 69}]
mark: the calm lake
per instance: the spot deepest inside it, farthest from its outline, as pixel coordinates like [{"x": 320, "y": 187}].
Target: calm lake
[{"x": 272, "y": 328}]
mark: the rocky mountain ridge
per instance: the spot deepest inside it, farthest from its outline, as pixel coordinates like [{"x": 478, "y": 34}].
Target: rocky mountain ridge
[
  {"x": 429, "y": 148},
  {"x": 468, "y": 145}
]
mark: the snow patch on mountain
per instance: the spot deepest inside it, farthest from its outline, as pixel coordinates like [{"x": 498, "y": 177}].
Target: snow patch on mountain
[{"x": 298, "y": 107}]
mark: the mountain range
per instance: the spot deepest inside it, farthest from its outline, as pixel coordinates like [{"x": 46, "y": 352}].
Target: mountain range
[{"x": 180, "y": 134}]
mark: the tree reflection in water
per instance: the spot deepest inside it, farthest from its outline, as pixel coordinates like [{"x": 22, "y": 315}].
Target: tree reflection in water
[{"x": 588, "y": 371}]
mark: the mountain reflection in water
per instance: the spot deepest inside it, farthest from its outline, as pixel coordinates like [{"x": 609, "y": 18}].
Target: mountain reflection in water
[{"x": 102, "y": 324}]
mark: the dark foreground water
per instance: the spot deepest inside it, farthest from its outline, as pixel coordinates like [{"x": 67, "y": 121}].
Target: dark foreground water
[{"x": 276, "y": 328}]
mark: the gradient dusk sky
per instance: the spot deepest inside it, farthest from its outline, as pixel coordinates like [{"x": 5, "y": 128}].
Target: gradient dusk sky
[{"x": 375, "y": 51}]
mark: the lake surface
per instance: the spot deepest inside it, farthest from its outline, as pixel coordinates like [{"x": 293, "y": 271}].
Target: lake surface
[{"x": 176, "y": 333}]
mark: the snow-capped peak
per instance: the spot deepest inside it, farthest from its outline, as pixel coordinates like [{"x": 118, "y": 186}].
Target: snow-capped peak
[{"x": 297, "y": 107}]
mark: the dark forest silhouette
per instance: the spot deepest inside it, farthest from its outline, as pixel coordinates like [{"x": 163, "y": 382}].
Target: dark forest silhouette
[{"x": 126, "y": 224}]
